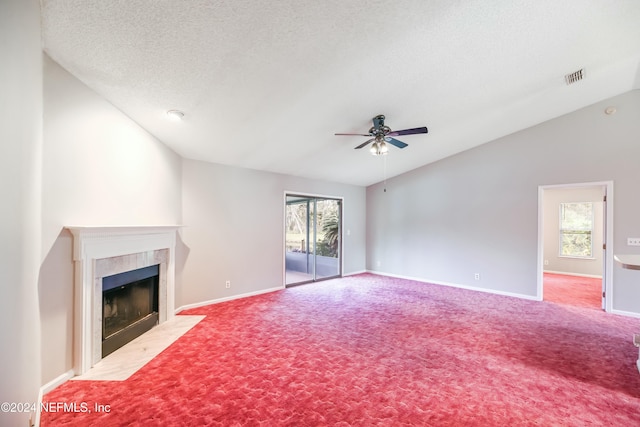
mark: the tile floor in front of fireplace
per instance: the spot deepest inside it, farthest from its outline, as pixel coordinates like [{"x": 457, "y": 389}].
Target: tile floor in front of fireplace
[{"x": 124, "y": 362}]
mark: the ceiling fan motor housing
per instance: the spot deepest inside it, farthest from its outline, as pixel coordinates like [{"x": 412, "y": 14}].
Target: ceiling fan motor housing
[{"x": 383, "y": 130}]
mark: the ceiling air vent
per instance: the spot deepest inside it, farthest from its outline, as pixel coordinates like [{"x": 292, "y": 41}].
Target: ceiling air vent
[{"x": 574, "y": 77}]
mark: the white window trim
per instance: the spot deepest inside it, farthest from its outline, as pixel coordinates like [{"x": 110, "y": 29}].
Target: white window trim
[{"x": 560, "y": 232}]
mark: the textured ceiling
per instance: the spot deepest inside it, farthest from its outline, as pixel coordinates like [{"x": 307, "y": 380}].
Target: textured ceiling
[{"x": 266, "y": 84}]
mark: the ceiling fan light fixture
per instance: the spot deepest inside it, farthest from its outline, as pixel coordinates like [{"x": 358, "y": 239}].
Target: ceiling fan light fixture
[
  {"x": 383, "y": 147},
  {"x": 379, "y": 147}
]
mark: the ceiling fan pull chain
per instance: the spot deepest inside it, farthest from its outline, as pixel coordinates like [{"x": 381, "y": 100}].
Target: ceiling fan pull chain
[{"x": 385, "y": 172}]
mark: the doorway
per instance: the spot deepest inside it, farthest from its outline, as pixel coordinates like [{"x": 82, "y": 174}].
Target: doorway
[
  {"x": 575, "y": 256},
  {"x": 313, "y": 238}
]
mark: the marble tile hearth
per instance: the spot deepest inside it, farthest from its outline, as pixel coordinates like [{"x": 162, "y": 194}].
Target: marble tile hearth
[{"x": 127, "y": 360}]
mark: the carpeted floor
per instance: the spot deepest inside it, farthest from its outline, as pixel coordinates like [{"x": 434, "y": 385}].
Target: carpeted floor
[
  {"x": 573, "y": 290},
  {"x": 376, "y": 351}
]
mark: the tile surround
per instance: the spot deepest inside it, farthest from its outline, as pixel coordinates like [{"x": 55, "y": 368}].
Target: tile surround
[{"x": 104, "y": 251}]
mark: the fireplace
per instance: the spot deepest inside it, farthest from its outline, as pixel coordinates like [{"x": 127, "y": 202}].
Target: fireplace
[
  {"x": 113, "y": 264},
  {"x": 129, "y": 306}
]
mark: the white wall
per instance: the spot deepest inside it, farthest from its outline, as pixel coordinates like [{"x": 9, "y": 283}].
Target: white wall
[
  {"x": 99, "y": 168},
  {"x": 553, "y": 262},
  {"x": 234, "y": 229},
  {"x": 477, "y": 211},
  {"x": 20, "y": 155}
]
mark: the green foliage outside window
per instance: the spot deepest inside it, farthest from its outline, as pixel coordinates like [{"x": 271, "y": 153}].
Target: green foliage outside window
[
  {"x": 300, "y": 216},
  {"x": 576, "y": 229},
  {"x": 330, "y": 227}
]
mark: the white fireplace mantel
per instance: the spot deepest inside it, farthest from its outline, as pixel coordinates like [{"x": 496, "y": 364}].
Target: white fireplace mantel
[{"x": 102, "y": 251}]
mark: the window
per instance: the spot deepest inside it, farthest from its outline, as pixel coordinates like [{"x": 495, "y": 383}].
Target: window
[{"x": 576, "y": 229}]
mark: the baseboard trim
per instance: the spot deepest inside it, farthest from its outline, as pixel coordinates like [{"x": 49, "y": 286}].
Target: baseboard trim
[
  {"x": 353, "y": 273},
  {"x": 625, "y": 313},
  {"x": 61, "y": 379},
  {"x": 566, "y": 273},
  {"x": 457, "y": 285},
  {"x": 225, "y": 299},
  {"x": 46, "y": 388}
]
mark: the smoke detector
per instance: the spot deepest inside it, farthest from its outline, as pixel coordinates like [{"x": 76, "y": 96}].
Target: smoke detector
[{"x": 175, "y": 115}]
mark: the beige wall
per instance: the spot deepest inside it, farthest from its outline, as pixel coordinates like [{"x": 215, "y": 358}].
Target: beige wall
[
  {"x": 99, "y": 168},
  {"x": 234, "y": 229},
  {"x": 20, "y": 156},
  {"x": 477, "y": 212},
  {"x": 553, "y": 262}
]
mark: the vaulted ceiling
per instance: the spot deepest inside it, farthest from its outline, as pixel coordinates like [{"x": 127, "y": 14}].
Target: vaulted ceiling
[{"x": 266, "y": 84}]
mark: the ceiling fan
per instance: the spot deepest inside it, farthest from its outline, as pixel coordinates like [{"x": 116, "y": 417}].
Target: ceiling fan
[{"x": 382, "y": 134}]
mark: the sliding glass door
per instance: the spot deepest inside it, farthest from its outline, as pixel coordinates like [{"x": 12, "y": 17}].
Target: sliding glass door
[{"x": 313, "y": 244}]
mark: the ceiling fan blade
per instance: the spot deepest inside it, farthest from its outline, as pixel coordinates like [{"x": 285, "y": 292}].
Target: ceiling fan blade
[
  {"x": 408, "y": 131},
  {"x": 395, "y": 142},
  {"x": 364, "y": 143},
  {"x": 354, "y": 134},
  {"x": 378, "y": 121}
]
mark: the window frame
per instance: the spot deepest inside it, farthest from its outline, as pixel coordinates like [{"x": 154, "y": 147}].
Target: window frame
[{"x": 562, "y": 232}]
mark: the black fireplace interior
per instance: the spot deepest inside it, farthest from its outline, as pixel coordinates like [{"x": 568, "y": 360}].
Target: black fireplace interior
[{"x": 129, "y": 306}]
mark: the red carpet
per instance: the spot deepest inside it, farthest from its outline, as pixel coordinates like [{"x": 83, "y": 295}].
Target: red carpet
[
  {"x": 374, "y": 351},
  {"x": 573, "y": 290}
]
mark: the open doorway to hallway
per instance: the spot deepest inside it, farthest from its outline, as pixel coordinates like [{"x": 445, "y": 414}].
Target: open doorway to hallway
[{"x": 573, "y": 238}]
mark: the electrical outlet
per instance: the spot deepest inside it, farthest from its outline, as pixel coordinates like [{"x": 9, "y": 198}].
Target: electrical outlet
[
  {"x": 227, "y": 284},
  {"x": 633, "y": 241},
  {"x": 476, "y": 276},
  {"x": 546, "y": 262}
]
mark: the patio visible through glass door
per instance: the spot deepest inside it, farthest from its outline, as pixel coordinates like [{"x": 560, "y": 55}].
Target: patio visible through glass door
[{"x": 313, "y": 246}]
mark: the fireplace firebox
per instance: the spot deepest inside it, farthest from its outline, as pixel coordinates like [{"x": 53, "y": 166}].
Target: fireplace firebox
[{"x": 129, "y": 306}]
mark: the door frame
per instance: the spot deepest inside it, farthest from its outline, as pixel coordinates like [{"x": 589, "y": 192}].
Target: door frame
[
  {"x": 607, "y": 276},
  {"x": 284, "y": 234}
]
